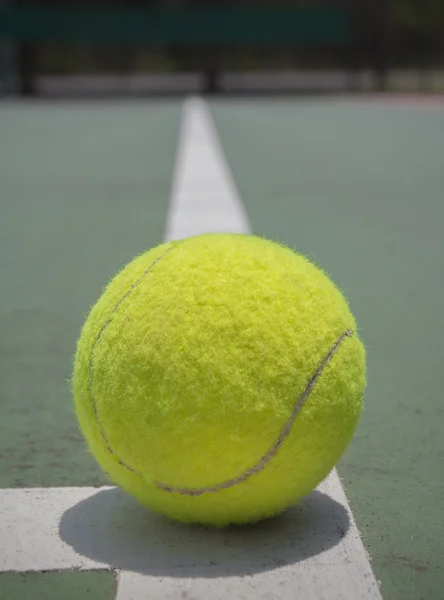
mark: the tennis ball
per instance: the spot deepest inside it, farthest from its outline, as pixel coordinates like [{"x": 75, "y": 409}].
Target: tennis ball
[{"x": 219, "y": 379}]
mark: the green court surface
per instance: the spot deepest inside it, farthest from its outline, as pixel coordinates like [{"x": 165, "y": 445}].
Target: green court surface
[
  {"x": 69, "y": 585},
  {"x": 82, "y": 189},
  {"x": 358, "y": 187}
]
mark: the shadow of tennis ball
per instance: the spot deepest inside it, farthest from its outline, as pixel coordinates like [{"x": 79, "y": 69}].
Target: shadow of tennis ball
[{"x": 112, "y": 528}]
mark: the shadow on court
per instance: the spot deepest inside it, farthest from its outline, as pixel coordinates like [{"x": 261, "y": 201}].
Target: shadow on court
[{"x": 111, "y": 528}]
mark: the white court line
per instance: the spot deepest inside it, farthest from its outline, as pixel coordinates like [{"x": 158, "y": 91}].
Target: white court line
[
  {"x": 313, "y": 553},
  {"x": 204, "y": 197}
]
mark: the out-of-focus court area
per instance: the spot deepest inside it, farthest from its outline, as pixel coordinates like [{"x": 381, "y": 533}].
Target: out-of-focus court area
[{"x": 353, "y": 180}]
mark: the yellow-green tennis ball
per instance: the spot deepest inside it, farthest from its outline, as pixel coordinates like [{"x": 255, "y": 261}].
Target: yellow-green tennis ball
[{"x": 219, "y": 379}]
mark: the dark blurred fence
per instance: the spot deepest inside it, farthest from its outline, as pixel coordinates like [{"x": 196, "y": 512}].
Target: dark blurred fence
[{"x": 179, "y": 36}]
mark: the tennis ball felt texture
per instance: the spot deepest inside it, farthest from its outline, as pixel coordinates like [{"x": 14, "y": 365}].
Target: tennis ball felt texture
[{"x": 219, "y": 379}]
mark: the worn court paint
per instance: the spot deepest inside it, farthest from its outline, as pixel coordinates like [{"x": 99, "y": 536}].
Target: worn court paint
[
  {"x": 29, "y": 529},
  {"x": 313, "y": 547}
]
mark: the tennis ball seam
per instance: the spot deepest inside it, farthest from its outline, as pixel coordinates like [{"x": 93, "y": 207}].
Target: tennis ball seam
[
  {"x": 264, "y": 460},
  {"x": 93, "y": 349},
  {"x": 262, "y": 463}
]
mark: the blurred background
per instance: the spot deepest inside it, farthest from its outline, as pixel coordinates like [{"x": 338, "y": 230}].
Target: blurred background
[{"x": 134, "y": 47}]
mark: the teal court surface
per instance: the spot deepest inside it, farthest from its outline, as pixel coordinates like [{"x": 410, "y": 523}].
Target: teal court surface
[{"x": 358, "y": 186}]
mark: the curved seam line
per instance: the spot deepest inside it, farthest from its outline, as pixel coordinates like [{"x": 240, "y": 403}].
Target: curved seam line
[
  {"x": 260, "y": 465},
  {"x": 91, "y": 358}
]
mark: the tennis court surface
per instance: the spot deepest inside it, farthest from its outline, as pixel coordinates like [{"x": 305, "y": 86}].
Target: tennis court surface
[{"x": 357, "y": 186}]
